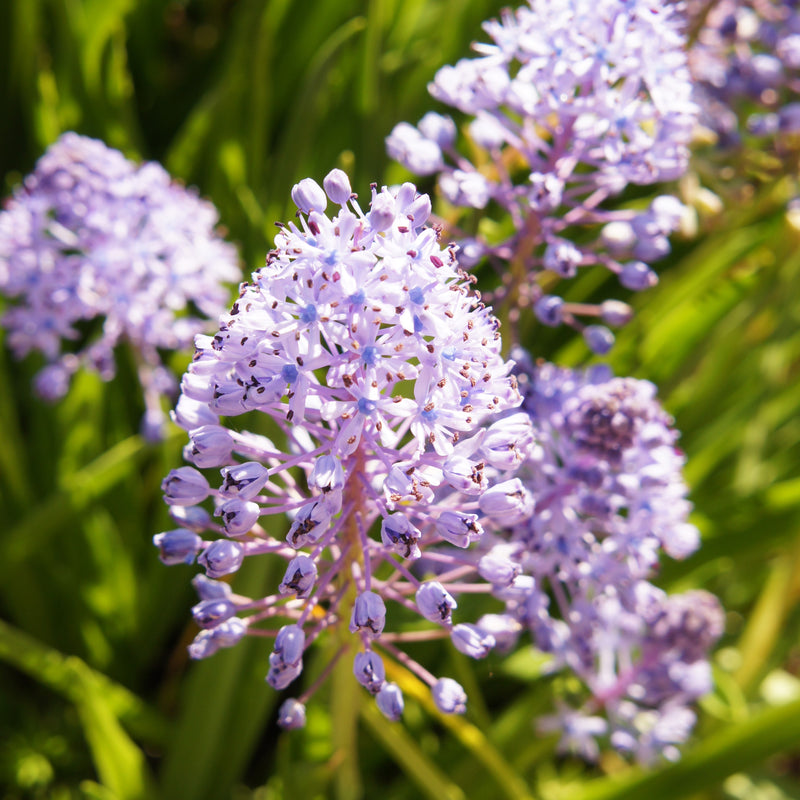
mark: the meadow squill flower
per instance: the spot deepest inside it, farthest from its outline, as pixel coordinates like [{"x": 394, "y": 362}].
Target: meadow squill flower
[
  {"x": 598, "y": 496},
  {"x": 95, "y": 251},
  {"x": 570, "y": 103},
  {"x": 362, "y": 345}
]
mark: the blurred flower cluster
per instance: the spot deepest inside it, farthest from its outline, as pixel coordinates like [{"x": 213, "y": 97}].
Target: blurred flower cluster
[
  {"x": 95, "y": 251},
  {"x": 570, "y": 104},
  {"x": 746, "y": 66},
  {"x": 599, "y": 495}
]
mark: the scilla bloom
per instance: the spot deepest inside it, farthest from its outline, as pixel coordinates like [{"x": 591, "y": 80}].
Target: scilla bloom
[
  {"x": 570, "y": 103},
  {"x": 362, "y": 346},
  {"x": 96, "y": 251},
  {"x": 600, "y": 496}
]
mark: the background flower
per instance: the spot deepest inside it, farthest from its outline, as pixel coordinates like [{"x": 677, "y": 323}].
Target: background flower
[{"x": 95, "y": 251}]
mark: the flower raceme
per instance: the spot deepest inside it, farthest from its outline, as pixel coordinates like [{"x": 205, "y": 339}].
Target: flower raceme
[
  {"x": 579, "y": 532},
  {"x": 93, "y": 238},
  {"x": 363, "y": 344},
  {"x": 568, "y": 104}
]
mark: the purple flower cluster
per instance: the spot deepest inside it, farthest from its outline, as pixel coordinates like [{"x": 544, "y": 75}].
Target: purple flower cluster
[
  {"x": 569, "y": 104},
  {"x": 746, "y": 63},
  {"x": 94, "y": 251},
  {"x": 361, "y": 343},
  {"x": 599, "y": 495}
]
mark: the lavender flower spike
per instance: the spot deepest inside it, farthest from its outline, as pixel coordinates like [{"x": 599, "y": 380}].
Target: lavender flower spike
[
  {"x": 92, "y": 237},
  {"x": 361, "y": 341}
]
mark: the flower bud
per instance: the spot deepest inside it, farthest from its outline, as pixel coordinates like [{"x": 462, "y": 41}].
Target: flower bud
[
  {"x": 369, "y": 671},
  {"x": 615, "y": 313},
  {"x": 209, "y": 613},
  {"x": 197, "y": 386},
  {"x": 190, "y": 414},
  {"x": 381, "y": 214},
  {"x": 435, "y": 603},
  {"x": 598, "y": 338},
  {"x": 238, "y": 516},
  {"x": 458, "y": 528},
  {"x": 289, "y": 644},
  {"x": 471, "y": 641},
  {"x": 308, "y": 196},
  {"x": 562, "y": 257},
  {"x": 184, "y": 486},
  {"x": 226, "y": 634},
  {"x": 419, "y": 209},
  {"x": 548, "y": 310},
  {"x": 508, "y": 441},
  {"x": 449, "y": 696},
  {"x": 369, "y": 613},
  {"x": 637, "y": 276},
  {"x": 390, "y": 701},
  {"x": 508, "y": 502},
  {"x": 337, "y": 187},
  {"x": 177, "y": 547},
  {"x": 299, "y": 577},
  {"x": 209, "y": 446},
  {"x": 244, "y": 480},
  {"x": 280, "y": 675},
  {"x": 397, "y": 532},
  {"x": 194, "y": 518},
  {"x": 618, "y": 237},
  {"x": 464, "y": 475},
  {"x": 327, "y": 474},
  {"x": 208, "y": 589},
  {"x": 222, "y": 558},
  {"x": 292, "y": 715},
  {"x": 497, "y": 568},
  {"x": 311, "y": 522}
]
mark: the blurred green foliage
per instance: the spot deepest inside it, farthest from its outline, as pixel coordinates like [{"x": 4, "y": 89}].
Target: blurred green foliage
[{"x": 242, "y": 98}]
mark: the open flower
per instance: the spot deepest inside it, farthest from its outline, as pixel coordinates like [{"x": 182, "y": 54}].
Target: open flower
[{"x": 568, "y": 104}]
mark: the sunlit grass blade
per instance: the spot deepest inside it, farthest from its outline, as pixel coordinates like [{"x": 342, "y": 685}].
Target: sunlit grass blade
[
  {"x": 505, "y": 778},
  {"x": 430, "y": 779}
]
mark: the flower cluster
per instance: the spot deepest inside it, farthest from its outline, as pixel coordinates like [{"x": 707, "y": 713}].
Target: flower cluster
[
  {"x": 746, "y": 63},
  {"x": 95, "y": 250},
  {"x": 570, "y": 103},
  {"x": 361, "y": 342},
  {"x": 600, "y": 494}
]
